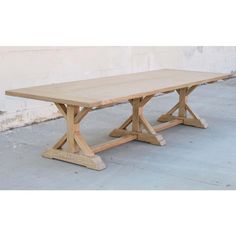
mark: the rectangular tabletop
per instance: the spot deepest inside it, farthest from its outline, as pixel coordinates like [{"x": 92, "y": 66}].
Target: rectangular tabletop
[{"x": 115, "y": 89}]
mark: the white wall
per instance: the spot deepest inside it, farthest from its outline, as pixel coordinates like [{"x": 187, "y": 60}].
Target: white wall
[{"x": 28, "y": 66}]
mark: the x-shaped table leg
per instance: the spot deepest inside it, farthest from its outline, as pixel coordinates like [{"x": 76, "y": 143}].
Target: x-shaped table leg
[
  {"x": 184, "y": 110},
  {"x": 72, "y": 147},
  {"x": 137, "y": 122}
]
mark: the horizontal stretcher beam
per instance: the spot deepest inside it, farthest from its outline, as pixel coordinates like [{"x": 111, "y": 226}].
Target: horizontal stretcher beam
[
  {"x": 167, "y": 125},
  {"x": 113, "y": 143},
  {"x": 132, "y": 136}
]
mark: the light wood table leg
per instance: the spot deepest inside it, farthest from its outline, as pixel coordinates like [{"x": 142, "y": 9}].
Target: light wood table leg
[
  {"x": 184, "y": 111},
  {"x": 140, "y": 127},
  {"x": 72, "y": 147}
]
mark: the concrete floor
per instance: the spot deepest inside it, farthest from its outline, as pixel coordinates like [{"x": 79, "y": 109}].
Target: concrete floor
[{"x": 192, "y": 159}]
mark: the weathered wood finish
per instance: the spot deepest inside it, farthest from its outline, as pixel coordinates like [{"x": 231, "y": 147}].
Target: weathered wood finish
[
  {"x": 79, "y": 152},
  {"x": 75, "y": 100},
  {"x": 117, "y": 89}
]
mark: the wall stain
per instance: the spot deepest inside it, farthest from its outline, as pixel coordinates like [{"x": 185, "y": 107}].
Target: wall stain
[
  {"x": 190, "y": 51},
  {"x": 200, "y": 49},
  {"x": 17, "y": 118},
  {"x": 18, "y": 122},
  {"x": 2, "y": 112}
]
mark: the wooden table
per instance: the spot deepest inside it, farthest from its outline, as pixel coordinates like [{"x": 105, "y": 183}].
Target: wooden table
[{"x": 76, "y": 99}]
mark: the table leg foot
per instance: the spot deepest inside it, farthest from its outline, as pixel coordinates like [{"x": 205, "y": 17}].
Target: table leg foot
[
  {"x": 93, "y": 162},
  {"x": 198, "y": 123},
  {"x": 155, "y": 139}
]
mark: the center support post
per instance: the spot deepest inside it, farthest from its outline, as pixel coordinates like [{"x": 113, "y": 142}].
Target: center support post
[{"x": 141, "y": 128}]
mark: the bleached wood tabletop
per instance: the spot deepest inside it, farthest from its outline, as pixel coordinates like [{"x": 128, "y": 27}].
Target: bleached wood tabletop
[{"x": 75, "y": 99}]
